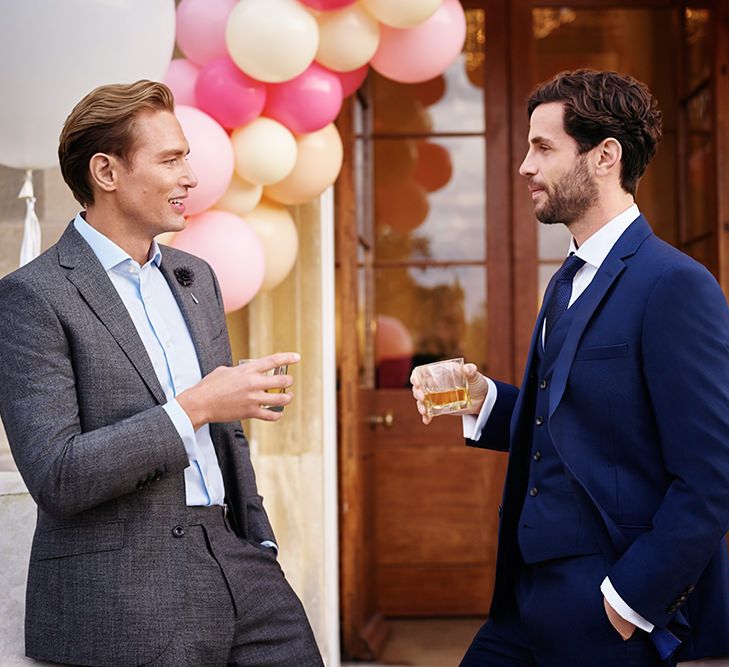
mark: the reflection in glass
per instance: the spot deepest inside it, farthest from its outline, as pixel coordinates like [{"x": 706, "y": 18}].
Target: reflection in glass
[
  {"x": 423, "y": 211},
  {"x": 428, "y": 314},
  {"x": 698, "y": 47}
]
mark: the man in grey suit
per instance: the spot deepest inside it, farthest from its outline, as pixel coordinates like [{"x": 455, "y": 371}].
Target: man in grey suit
[{"x": 122, "y": 409}]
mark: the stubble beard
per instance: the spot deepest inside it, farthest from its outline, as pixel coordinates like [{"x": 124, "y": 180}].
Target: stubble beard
[{"x": 570, "y": 198}]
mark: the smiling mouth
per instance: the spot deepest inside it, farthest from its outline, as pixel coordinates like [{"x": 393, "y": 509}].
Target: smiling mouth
[{"x": 177, "y": 204}]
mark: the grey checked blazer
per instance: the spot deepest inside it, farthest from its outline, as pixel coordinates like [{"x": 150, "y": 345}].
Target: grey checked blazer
[{"x": 81, "y": 405}]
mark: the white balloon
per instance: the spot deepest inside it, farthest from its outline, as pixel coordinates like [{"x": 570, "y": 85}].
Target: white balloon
[
  {"x": 402, "y": 13},
  {"x": 53, "y": 53},
  {"x": 265, "y": 151}
]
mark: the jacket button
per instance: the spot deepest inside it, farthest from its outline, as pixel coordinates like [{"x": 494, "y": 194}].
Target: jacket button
[
  {"x": 539, "y": 420},
  {"x": 533, "y": 491},
  {"x": 537, "y": 456},
  {"x": 543, "y": 384},
  {"x": 178, "y": 531},
  {"x": 671, "y": 609},
  {"x": 501, "y": 511}
]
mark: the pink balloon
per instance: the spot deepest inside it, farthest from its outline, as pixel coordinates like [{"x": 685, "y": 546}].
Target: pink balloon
[
  {"x": 211, "y": 157},
  {"x": 307, "y": 102},
  {"x": 425, "y": 51},
  {"x": 201, "y": 28},
  {"x": 327, "y": 5},
  {"x": 352, "y": 80},
  {"x": 180, "y": 78},
  {"x": 232, "y": 248},
  {"x": 229, "y": 96}
]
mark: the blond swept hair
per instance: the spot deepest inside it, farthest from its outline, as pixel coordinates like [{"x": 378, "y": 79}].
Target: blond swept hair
[{"x": 103, "y": 122}]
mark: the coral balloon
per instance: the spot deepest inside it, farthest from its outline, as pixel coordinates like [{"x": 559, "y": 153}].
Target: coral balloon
[
  {"x": 392, "y": 339},
  {"x": 241, "y": 197},
  {"x": 317, "y": 167},
  {"x": 180, "y": 78},
  {"x": 348, "y": 38},
  {"x": 327, "y": 5},
  {"x": 229, "y": 96},
  {"x": 402, "y": 13},
  {"x": 271, "y": 40},
  {"x": 265, "y": 151},
  {"x": 401, "y": 208},
  {"x": 201, "y": 28},
  {"x": 232, "y": 248},
  {"x": 211, "y": 157},
  {"x": 420, "y": 53},
  {"x": 434, "y": 168},
  {"x": 395, "y": 160},
  {"x": 306, "y": 103},
  {"x": 277, "y": 233},
  {"x": 352, "y": 80}
]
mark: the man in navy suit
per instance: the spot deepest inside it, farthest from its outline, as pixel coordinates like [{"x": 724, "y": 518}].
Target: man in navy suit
[{"x": 616, "y": 503}]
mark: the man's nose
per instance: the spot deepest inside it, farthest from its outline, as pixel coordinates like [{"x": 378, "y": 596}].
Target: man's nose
[
  {"x": 189, "y": 179},
  {"x": 527, "y": 169}
]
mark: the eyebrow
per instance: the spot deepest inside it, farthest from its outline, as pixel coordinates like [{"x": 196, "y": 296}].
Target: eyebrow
[
  {"x": 175, "y": 152},
  {"x": 541, "y": 140}
]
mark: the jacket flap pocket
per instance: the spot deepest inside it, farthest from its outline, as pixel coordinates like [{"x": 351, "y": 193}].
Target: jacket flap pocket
[
  {"x": 76, "y": 540},
  {"x": 602, "y": 352}
]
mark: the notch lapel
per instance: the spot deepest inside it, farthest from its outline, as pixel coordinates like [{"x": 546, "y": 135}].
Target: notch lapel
[{"x": 87, "y": 274}]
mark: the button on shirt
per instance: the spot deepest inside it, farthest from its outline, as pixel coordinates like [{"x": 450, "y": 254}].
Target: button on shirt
[
  {"x": 594, "y": 251},
  {"x": 164, "y": 333}
]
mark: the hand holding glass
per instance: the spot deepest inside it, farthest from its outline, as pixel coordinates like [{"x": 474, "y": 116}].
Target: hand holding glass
[
  {"x": 445, "y": 387},
  {"x": 279, "y": 370}
]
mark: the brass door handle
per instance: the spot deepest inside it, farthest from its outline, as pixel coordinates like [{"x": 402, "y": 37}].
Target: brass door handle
[{"x": 387, "y": 420}]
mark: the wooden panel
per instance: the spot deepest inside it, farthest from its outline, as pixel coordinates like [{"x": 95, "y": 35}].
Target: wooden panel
[
  {"x": 721, "y": 73},
  {"x": 462, "y": 590}
]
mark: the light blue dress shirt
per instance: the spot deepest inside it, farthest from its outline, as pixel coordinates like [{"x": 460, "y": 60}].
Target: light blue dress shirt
[{"x": 165, "y": 335}]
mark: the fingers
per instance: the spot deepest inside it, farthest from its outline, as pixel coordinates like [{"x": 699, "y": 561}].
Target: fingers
[
  {"x": 274, "y": 361},
  {"x": 471, "y": 372}
]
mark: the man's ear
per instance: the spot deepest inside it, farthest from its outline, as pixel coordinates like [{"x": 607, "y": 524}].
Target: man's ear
[
  {"x": 608, "y": 155},
  {"x": 103, "y": 170}
]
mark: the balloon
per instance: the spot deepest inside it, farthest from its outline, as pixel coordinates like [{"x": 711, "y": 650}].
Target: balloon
[
  {"x": 201, "y": 28},
  {"x": 395, "y": 160},
  {"x": 325, "y": 5},
  {"x": 53, "y": 53},
  {"x": 229, "y": 96},
  {"x": 271, "y": 40},
  {"x": 265, "y": 151},
  {"x": 348, "y": 38},
  {"x": 420, "y": 53},
  {"x": 232, "y": 248},
  {"x": 180, "y": 77},
  {"x": 211, "y": 157},
  {"x": 401, "y": 207},
  {"x": 434, "y": 168},
  {"x": 352, "y": 80},
  {"x": 307, "y": 102},
  {"x": 317, "y": 167},
  {"x": 431, "y": 91},
  {"x": 401, "y": 13},
  {"x": 392, "y": 339},
  {"x": 277, "y": 233},
  {"x": 241, "y": 196}
]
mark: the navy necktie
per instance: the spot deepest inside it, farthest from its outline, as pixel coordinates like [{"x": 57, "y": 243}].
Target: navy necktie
[{"x": 560, "y": 296}]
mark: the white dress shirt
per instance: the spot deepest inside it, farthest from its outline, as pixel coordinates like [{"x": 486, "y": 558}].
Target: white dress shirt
[{"x": 594, "y": 251}]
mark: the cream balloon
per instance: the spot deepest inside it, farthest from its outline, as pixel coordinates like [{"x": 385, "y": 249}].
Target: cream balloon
[
  {"x": 348, "y": 38},
  {"x": 402, "y": 13},
  {"x": 241, "y": 197},
  {"x": 277, "y": 233},
  {"x": 271, "y": 40},
  {"x": 317, "y": 167},
  {"x": 265, "y": 151}
]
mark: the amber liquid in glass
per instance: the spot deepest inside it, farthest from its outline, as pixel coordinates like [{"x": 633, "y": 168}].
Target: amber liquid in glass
[{"x": 449, "y": 400}]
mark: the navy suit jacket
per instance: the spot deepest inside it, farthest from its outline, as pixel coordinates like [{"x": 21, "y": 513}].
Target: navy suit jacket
[{"x": 639, "y": 415}]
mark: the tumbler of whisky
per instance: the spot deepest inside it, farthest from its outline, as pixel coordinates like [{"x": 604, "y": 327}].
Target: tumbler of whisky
[
  {"x": 279, "y": 370},
  {"x": 445, "y": 386}
]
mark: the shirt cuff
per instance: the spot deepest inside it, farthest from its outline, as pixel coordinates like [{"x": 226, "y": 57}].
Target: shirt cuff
[
  {"x": 183, "y": 426},
  {"x": 270, "y": 545},
  {"x": 623, "y": 610},
  {"x": 473, "y": 424}
]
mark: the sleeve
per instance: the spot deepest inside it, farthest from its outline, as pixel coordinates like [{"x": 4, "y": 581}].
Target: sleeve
[
  {"x": 473, "y": 424},
  {"x": 495, "y": 432},
  {"x": 685, "y": 348},
  {"x": 66, "y": 469}
]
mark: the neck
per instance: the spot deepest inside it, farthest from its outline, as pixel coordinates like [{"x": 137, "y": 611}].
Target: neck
[
  {"x": 120, "y": 231},
  {"x": 599, "y": 215}
]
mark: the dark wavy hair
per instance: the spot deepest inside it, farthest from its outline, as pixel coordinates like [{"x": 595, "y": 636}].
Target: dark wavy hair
[
  {"x": 598, "y": 105},
  {"x": 103, "y": 122}
]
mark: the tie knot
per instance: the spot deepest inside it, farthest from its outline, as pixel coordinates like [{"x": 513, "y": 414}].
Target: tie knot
[{"x": 571, "y": 265}]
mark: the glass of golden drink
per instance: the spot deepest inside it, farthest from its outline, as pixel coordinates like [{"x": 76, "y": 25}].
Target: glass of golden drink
[{"x": 445, "y": 386}]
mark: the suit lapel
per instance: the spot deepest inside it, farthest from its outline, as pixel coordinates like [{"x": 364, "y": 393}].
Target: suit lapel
[
  {"x": 610, "y": 269},
  {"x": 90, "y": 279},
  {"x": 192, "y": 311}
]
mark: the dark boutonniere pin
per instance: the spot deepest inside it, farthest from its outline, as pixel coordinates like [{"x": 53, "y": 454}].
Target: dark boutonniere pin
[{"x": 185, "y": 276}]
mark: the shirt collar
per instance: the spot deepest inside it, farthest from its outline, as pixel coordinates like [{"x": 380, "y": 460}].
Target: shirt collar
[
  {"x": 108, "y": 252},
  {"x": 596, "y": 248}
]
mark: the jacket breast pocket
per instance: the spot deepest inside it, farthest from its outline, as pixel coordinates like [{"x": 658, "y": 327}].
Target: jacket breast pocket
[
  {"x": 77, "y": 540},
  {"x": 602, "y": 352}
]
